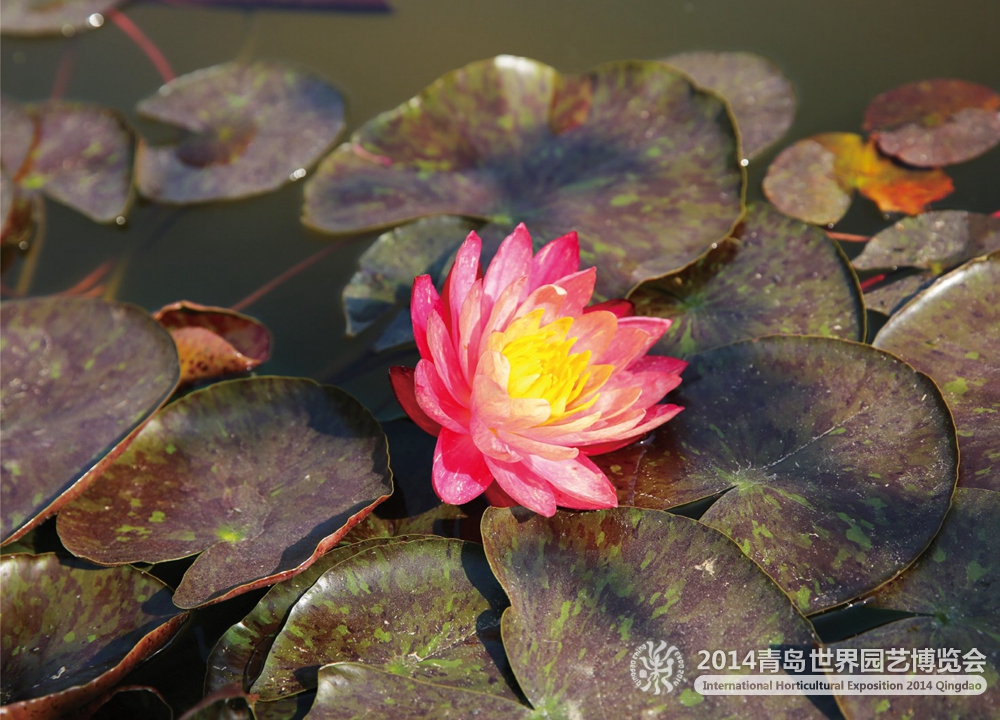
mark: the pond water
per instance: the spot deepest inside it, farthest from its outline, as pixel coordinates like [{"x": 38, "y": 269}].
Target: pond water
[{"x": 838, "y": 55}]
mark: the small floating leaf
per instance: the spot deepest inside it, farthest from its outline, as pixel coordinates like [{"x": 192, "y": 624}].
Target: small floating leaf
[
  {"x": 934, "y": 241},
  {"x": 935, "y": 122},
  {"x": 53, "y": 17}
]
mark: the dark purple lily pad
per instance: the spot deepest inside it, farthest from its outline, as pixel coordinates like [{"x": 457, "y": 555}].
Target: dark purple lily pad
[
  {"x": 630, "y": 155},
  {"x": 53, "y": 17},
  {"x": 250, "y": 129},
  {"x": 782, "y": 276},
  {"x": 427, "y": 608},
  {"x": 229, "y": 703},
  {"x": 952, "y": 590},
  {"x": 886, "y": 298},
  {"x": 592, "y": 592},
  {"x": 385, "y": 276},
  {"x": 834, "y": 461},
  {"x": 935, "y": 122},
  {"x": 761, "y": 97},
  {"x": 260, "y": 475},
  {"x": 80, "y": 375},
  {"x": 934, "y": 241},
  {"x": 353, "y": 690},
  {"x": 951, "y": 331},
  {"x": 93, "y": 626}
]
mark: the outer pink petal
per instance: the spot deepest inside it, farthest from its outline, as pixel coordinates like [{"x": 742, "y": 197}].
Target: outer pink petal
[
  {"x": 445, "y": 359},
  {"x": 402, "y": 384},
  {"x": 462, "y": 275},
  {"x": 579, "y": 289},
  {"x": 618, "y": 307},
  {"x": 513, "y": 260},
  {"x": 423, "y": 300},
  {"x": 470, "y": 329},
  {"x": 460, "y": 472},
  {"x": 557, "y": 259},
  {"x": 610, "y": 446},
  {"x": 435, "y": 400},
  {"x": 654, "y": 385},
  {"x": 580, "y": 482},
  {"x": 653, "y": 327},
  {"x": 524, "y": 487},
  {"x": 658, "y": 363},
  {"x": 498, "y": 498}
]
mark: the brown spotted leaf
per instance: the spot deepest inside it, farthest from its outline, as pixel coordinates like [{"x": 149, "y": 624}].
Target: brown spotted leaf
[
  {"x": 213, "y": 342},
  {"x": 833, "y": 462},
  {"x": 630, "y": 155},
  {"x": 951, "y": 331},
  {"x": 250, "y": 129},
  {"x": 71, "y": 630},
  {"x": 79, "y": 376},
  {"x": 935, "y": 122},
  {"x": 261, "y": 476},
  {"x": 782, "y": 276}
]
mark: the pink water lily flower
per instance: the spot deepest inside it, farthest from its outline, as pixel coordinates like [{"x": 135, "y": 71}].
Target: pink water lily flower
[{"x": 521, "y": 381}]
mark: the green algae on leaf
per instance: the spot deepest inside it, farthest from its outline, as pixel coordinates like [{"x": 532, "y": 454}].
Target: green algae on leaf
[
  {"x": 427, "y": 608},
  {"x": 589, "y": 591},
  {"x": 951, "y": 331},
  {"x": 213, "y": 342},
  {"x": 833, "y": 462},
  {"x": 935, "y": 122},
  {"x": 630, "y": 155},
  {"x": 782, "y": 276},
  {"x": 952, "y": 592},
  {"x": 249, "y": 130},
  {"x": 261, "y": 476},
  {"x": 94, "y": 626},
  {"x": 80, "y": 375},
  {"x": 761, "y": 97}
]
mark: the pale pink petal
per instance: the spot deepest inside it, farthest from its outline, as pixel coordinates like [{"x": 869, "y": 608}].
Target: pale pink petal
[
  {"x": 446, "y": 359},
  {"x": 580, "y": 480},
  {"x": 402, "y": 384},
  {"x": 524, "y": 487},
  {"x": 423, "y": 300},
  {"x": 652, "y": 326},
  {"x": 460, "y": 472},
  {"x": 654, "y": 385},
  {"x": 619, "y": 307},
  {"x": 435, "y": 400},
  {"x": 498, "y": 498},
  {"x": 489, "y": 444},
  {"x": 628, "y": 344},
  {"x": 495, "y": 408},
  {"x": 548, "y": 298},
  {"x": 502, "y": 311},
  {"x": 658, "y": 363},
  {"x": 462, "y": 275},
  {"x": 557, "y": 259},
  {"x": 525, "y": 445},
  {"x": 512, "y": 261},
  {"x": 579, "y": 289},
  {"x": 470, "y": 328},
  {"x": 654, "y": 417}
]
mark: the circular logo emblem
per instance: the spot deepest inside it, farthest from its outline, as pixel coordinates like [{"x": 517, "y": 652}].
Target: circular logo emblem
[{"x": 656, "y": 667}]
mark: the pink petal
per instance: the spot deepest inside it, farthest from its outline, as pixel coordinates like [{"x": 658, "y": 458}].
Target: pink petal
[
  {"x": 524, "y": 487},
  {"x": 548, "y": 298},
  {"x": 653, "y": 327},
  {"x": 655, "y": 385},
  {"x": 525, "y": 445},
  {"x": 579, "y": 289},
  {"x": 462, "y": 275},
  {"x": 498, "y": 498},
  {"x": 512, "y": 261},
  {"x": 446, "y": 359},
  {"x": 470, "y": 328},
  {"x": 610, "y": 446},
  {"x": 489, "y": 444},
  {"x": 628, "y": 344},
  {"x": 502, "y": 311},
  {"x": 423, "y": 300},
  {"x": 580, "y": 482},
  {"x": 594, "y": 332},
  {"x": 658, "y": 363},
  {"x": 618, "y": 307},
  {"x": 402, "y": 384},
  {"x": 557, "y": 259},
  {"x": 656, "y": 416},
  {"x": 460, "y": 472},
  {"x": 435, "y": 400}
]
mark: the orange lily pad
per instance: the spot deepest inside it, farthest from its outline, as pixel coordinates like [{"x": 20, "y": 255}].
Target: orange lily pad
[
  {"x": 935, "y": 122},
  {"x": 213, "y": 342},
  {"x": 814, "y": 179}
]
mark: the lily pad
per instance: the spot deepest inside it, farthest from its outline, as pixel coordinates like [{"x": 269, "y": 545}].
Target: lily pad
[
  {"x": 951, "y": 331},
  {"x": 762, "y": 98},
  {"x": 591, "y": 593},
  {"x": 53, "y": 17},
  {"x": 630, "y": 155},
  {"x": 80, "y": 375},
  {"x": 833, "y": 462},
  {"x": 887, "y": 298},
  {"x": 935, "y": 122},
  {"x": 385, "y": 277},
  {"x": 214, "y": 342},
  {"x": 132, "y": 701},
  {"x": 934, "y": 241},
  {"x": 428, "y": 609},
  {"x": 814, "y": 179},
  {"x": 229, "y": 703},
  {"x": 249, "y": 130},
  {"x": 952, "y": 591},
  {"x": 18, "y": 132},
  {"x": 16, "y": 210},
  {"x": 94, "y": 626},
  {"x": 352, "y": 690},
  {"x": 782, "y": 276},
  {"x": 260, "y": 475}
]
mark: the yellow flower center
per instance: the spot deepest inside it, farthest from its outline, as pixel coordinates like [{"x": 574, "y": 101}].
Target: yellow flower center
[{"x": 542, "y": 365}]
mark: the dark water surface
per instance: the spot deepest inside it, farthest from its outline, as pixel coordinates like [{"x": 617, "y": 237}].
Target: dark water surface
[{"x": 839, "y": 55}]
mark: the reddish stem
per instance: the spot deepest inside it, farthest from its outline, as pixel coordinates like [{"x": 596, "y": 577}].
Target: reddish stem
[
  {"x": 874, "y": 280},
  {"x": 847, "y": 237},
  {"x": 144, "y": 43},
  {"x": 287, "y": 275},
  {"x": 64, "y": 72}
]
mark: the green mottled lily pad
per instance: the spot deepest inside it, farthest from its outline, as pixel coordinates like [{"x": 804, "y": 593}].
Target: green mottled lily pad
[
  {"x": 261, "y": 476},
  {"x": 834, "y": 462},
  {"x": 886, "y": 298},
  {"x": 53, "y": 17},
  {"x": 353, "y": 690},
  {"x": 250, "y": 129},
  {"x": 762, "y": 98},
  {"x": 80, "y": 375},
  {"x": 952, "y": 591},
  {"x": 72, "y": 630},
  {"x": 593, "y": 594},
  {"x": 428, "y": 609},
  {"x": 783, "y": 276},
  {"x": 951, "y": 331},
  {"x": 935, "y": 122},
  {"x": 630, "y": 155},
  {"x": 385, "y": 277}
]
